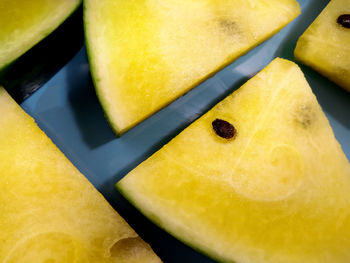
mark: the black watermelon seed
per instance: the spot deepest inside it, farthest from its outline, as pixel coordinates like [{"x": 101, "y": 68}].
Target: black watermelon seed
[
  {"x": 344, "y": 20},
  {"x": 224, "y": 129}
]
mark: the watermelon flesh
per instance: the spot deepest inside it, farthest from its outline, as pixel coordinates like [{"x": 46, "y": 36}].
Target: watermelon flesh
[
  {"x": 49, "y": 212},
  {"x": 24, "y": 23},
  {"x": 325, "y": 44},
  {"x": 278, "y": 190},
  {"x": 146, "y": 53}
]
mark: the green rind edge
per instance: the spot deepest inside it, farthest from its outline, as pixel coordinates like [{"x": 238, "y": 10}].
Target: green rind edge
[
  {"x": 8, "y": 64},
  {"x": 94, "y": 77}
]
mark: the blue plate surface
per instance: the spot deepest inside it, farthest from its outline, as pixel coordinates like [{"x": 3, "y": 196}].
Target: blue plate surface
[{"x": 67, "y": 109}]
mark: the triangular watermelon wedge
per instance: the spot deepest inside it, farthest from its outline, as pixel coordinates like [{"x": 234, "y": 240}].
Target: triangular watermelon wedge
[
  {"x": 260, "y": 178},
  {"x": 146, "y": 53},
  {"x": 49, "y": 212},
  {"x": 324, "y": 46}
]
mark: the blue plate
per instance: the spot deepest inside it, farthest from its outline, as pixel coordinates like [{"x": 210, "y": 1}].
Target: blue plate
[{"x": 67, "y": 109}]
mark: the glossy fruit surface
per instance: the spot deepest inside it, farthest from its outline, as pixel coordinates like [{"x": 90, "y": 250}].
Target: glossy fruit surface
[
  {"x": 325, "y": 44},
  {"x": 277, "y": 191},
  {"x": 49, "y": 212},
  {"x": 23, "y": 23},
  {"x": 146, "y": 53}
]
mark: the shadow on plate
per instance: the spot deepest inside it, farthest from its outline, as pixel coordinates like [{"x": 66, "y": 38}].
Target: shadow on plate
[{"x": 85, "y": 105}]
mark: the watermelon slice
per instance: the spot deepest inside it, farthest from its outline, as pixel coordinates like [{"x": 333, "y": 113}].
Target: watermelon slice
[
  {"x": 146, "y": 53},
  {"x": 325, "y": 44},
  {"x": 260, "y": 178},
  {"x": 49, "y": 212},
  {"x": 24, "y": 23}
]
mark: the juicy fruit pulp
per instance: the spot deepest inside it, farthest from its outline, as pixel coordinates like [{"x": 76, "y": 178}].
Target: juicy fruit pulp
[
  {"x": 48, "y": 211},
  {"x": 146, "y": 53},
  {"x": 23, "y": 23},
  {"x": 325, "y": 44},
  {"x": 278, "y": 191}
]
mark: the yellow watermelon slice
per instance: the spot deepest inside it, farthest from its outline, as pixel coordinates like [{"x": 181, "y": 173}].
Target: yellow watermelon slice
[
  {"x": 146, "y": 53},
  {"x": 260, "y": 178},
  {"x": 23, "y": 23},
  {"x": 325, "y": 44},
  {"x": 49, "y": 212}
]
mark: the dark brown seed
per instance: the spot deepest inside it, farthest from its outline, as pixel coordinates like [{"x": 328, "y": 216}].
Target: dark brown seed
[
  {"x": 224, "y": 129},
  {"x": 344, "y": 20}
]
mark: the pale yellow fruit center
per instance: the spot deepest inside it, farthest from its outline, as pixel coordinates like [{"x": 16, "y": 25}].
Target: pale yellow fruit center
[{"x": 46, "y": 248}]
